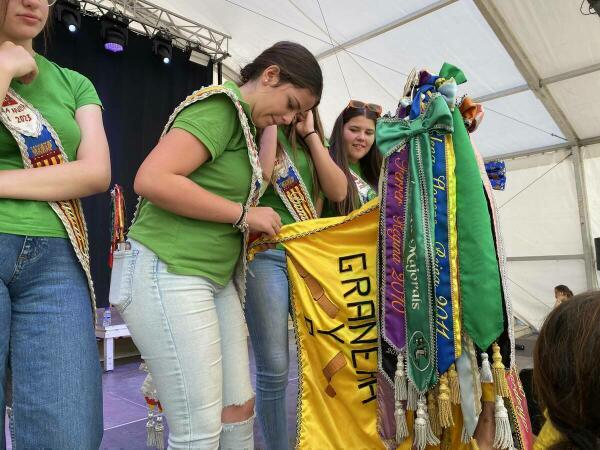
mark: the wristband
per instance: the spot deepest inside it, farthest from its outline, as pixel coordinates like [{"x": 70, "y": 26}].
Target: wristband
[{"x": 308, "y": 134}]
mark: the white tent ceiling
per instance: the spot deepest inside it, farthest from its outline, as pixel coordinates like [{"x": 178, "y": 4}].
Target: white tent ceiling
[{"x": 535, "y": 65}]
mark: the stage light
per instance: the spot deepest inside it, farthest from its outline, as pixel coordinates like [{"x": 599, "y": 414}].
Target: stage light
[
  {"x": 162, "y": 47},
  {"x": 68, "y": 12},
  {"x": 114, "y": 32}
]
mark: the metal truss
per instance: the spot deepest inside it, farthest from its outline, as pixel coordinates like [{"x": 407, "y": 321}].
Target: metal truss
[{"x": 148, "y": 18}]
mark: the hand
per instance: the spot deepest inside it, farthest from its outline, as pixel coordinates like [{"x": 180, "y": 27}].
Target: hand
[
  {"x": 263, "y": 220},
  {"x": 305, "y": 123},
  {"x": 17, "y": 62}
]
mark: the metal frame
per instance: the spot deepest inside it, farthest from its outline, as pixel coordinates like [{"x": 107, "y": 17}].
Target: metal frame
[
  {"x": 151, "y": 18},
  {"x": 516, "y": 52},
  {"x": 540, "y": 83},
  {"x": 385, "y": 28}
]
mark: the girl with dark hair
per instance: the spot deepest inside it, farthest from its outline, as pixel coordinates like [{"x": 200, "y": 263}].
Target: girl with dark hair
[
  {"x": 295, "y": 160},
  {"x": 179, "y": 278},
  {"x": 566, "y": 371},
  {"x": 50, "y": 123},
  {"x": 353, "y": 148},
  {"x": 565, "y": 377},
  {"x": 562, "y": 293}
]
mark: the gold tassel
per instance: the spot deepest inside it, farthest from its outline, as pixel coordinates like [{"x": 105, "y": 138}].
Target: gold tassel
[
  {"x": 498, "y": 372},
  {"x": 454, "y": 386},
  {"x": 434, "y": 416},
  {"x": 486, "y": 369},
  {"x": 400, "y": 389},
  {"x": 401, "y": 426},
  {"x": 503, "y": 438},
  {"x": 445, "y": 408},
  {"x": 474, "y": 445}
]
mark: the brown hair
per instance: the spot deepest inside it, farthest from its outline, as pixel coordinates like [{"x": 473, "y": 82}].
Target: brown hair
[
  {"x": 292, "y": 136},
  {"x": 296, "y": 64},
  {"x": 370, "y": 164},
  {"x": 561, "y": 288},
  {"x": 566, "y": 370}
]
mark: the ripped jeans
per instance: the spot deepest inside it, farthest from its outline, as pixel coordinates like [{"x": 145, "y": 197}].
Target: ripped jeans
[{"x": 192, "y": 335}]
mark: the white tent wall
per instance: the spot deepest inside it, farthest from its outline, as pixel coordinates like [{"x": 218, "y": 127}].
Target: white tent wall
[
  {"x": 591, "y": 165},
  {"x": 541, "y": 231}
]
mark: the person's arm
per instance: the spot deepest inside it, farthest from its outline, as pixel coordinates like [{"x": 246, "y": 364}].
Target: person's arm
[
  {"x": 268, "y": 151},
  {"x": 89, "y": 174},
  {"x": 162, "y": 179},
  {"x": 331, "y": 177},
  {"x": 15, "y": 62},
  {"x": 486, "y": 425}
]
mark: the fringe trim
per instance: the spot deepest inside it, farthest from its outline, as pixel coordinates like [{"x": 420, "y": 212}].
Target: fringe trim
[
  {"x": 423, "y": 434},
  {"x": 413, "y": 396},
  {"x": 503, "y": 438},
  {"x": 400, "y": 387},
  {"x": 434, "y": 415},
  {"x": 498, "y": 372},
  {"x": 454, "y": 386},
  {"x": 401, "y": 425},
  {"x": 486, "y": 369},
  {"x": 445, "y": 408}
]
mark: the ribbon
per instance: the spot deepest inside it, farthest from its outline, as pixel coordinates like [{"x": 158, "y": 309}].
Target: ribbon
[
  {"x": 418, "y": 249},
  {"x": 443, "y": 174}
]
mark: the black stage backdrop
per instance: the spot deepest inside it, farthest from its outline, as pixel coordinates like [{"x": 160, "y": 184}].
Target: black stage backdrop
[{"x": 138, "y": 92}]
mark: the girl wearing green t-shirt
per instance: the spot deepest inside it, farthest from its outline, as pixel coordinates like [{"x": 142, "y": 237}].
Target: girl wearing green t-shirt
[
  {"x": 174, "y": 284},
  {"x": 46, "y": 319},
  {"x": 268, "y": 303},
  {"x": 352, "y": 146}
]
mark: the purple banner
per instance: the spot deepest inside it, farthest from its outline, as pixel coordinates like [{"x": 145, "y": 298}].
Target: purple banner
[{"x": 394, "y": 217}]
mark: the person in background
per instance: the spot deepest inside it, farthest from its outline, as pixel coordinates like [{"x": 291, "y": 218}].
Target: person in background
[
  {"x": 566, "y": 370},
  {"x": 299, "y": 148},
  {"x": 51, "y": 121},
  {"x": 562, "y": 293},
  {"x": 352, "y": 146}
]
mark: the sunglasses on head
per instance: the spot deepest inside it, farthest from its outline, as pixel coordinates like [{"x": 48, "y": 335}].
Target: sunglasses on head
[{"x": 357, "y": 104}]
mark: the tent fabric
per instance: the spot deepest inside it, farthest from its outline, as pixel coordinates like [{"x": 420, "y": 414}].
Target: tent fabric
[{"x": 539, "y": 211}]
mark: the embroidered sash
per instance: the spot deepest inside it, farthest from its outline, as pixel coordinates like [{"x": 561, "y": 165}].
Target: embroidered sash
[
  {"x": 291, "y": 189},
  {"x": 365, "y": 191},
  {"x": 256, "y": 183},
  {"x": 40, "y": 146}
]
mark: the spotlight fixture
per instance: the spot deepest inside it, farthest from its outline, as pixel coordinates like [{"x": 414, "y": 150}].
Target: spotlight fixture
[
  {"x": 68, "y": 12},
  {"x": 114, "y": 32},
  {"x": 162, "y": 47}
]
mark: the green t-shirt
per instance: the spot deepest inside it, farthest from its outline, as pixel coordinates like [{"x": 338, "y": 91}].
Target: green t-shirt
[
  {"x": 57, "y": 93},
  {"x": 197, "y": 247},
  {"x": 301, "y": 160}
]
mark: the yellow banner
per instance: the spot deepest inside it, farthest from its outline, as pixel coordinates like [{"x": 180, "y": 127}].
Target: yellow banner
[{"x": 332, "y": 271}]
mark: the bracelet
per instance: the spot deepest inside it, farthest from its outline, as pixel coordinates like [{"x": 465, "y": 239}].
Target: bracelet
[
  {"x": 242, "y": 223},
  {"x": 308, "y": 134}
]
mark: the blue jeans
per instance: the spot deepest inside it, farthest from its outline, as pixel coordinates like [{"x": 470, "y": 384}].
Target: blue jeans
[
  {"x": 192, "y": 335},
  {"x": 267, "y": 308},
  {"x": 47, "y": 335}
]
